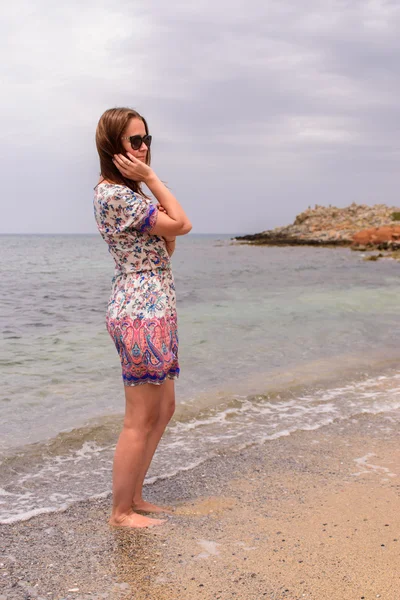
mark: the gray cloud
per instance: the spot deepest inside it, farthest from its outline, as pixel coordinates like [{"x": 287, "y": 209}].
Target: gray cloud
[{"x": 257, "y": 108}]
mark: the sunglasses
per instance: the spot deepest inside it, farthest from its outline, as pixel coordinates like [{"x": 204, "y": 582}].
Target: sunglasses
[{"x": 137, "y": 140}]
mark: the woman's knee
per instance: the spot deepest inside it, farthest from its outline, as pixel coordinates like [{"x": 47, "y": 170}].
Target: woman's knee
[{"x": 143, "y": 423}]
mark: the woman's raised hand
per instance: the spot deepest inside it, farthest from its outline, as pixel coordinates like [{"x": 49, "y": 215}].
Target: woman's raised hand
[{"x": 132, "y": 167}]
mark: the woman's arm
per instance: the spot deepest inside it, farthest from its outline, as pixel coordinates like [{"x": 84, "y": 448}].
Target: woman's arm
[
  {"x": 170, "y": 246},
  {"x": 170, "y": 242},
  {"x": 175, "y": 222}
]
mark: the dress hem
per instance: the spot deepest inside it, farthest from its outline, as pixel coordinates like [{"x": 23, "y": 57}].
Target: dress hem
[{"x": 136, "y": 383}]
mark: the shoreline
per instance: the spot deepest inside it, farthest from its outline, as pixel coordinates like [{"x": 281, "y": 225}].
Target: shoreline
[
  {"x": 369, "y": 253},
  {"x": 312, "y": 515},
  {"x": 52, "y": 470}
]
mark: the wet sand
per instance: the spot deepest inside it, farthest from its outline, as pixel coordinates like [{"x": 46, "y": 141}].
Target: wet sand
[{"x": 315, "y": 515}]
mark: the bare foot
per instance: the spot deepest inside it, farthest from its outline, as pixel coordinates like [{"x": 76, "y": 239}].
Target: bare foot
[
  {"x": 135, "y": 520},
  {"x": 144, "y": 506}
]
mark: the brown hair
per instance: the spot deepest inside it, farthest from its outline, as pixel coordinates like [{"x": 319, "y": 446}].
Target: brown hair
[{"x": 110, "y": 128}]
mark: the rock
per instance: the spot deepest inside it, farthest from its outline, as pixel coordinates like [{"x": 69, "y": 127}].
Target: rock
[
  {"x": 372, "y": 257},
  {"x": 377, "y": 235},
  {"x": 359, "y": 248},
  {"x": 331, "y": 226}
]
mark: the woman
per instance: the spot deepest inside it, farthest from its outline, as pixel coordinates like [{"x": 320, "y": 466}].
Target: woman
[{"x": 141, "y": 315}]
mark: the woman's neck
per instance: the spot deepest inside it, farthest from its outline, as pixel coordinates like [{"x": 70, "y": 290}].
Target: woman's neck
[{"x": 104, "y": 180}]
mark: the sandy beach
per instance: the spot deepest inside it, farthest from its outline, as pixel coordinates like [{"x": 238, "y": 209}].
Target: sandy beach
[{"x": 315, "y": 515}]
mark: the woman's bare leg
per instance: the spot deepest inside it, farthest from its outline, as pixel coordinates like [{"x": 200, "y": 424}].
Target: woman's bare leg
[
  {"x": 167, "y": 409},
  {"x": 142, "y": 412}
]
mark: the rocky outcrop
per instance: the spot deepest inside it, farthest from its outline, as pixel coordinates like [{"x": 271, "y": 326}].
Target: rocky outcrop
[
  {"x": 379, "y": 237},
  {"x": 331, "y": 226}
]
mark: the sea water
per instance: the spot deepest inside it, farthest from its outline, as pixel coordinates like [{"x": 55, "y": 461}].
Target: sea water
[{"x": 272, "y": 340}]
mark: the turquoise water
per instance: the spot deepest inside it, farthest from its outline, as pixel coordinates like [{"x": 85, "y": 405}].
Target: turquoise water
[{"x": 271, "y": 340}]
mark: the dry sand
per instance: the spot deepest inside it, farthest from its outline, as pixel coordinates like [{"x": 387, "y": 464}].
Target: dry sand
[{"x": 315, "y": 515}]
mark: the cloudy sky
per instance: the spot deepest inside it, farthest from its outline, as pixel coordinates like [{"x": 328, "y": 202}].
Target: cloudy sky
[{"x": 258, "y": 108}]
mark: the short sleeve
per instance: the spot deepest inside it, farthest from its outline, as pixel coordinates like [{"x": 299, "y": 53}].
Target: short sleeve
[{"x": 131, "y": 211}]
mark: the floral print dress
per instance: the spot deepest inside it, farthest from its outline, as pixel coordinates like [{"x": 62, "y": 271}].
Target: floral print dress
[{"x": 141, "y": 315}]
